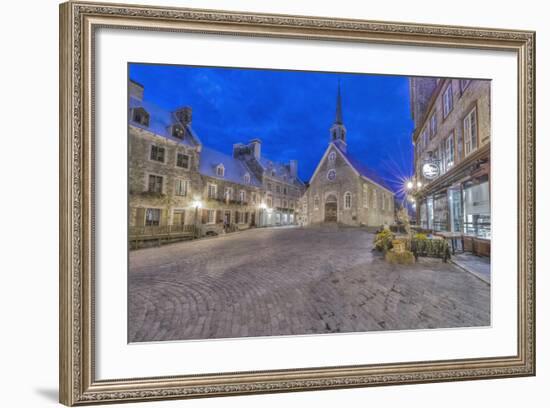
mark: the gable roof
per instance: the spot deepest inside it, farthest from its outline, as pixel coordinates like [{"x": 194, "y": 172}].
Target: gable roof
[
  {"x": 235, "y": 169},
  {"x": 360, "y": 168}
]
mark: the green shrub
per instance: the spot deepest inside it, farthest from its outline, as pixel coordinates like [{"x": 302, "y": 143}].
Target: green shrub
[
  {"x": 383, "y": 240},
  {"x": 403, "y": 258},
  {"x": 420, "y": 236},
  {"x": 435, "y": 248}
]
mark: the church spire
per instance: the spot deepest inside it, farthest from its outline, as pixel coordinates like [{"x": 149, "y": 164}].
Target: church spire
[
  {"x": 338, "y": 130},
  {"x": 339, "y": 119}
]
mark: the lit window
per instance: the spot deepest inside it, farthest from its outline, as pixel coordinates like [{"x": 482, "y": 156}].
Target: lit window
[
  {"x": 181, "y": 188},
  {"x": 157, "y": 153},
  {"x": 447, "y": 101},
  {"x": 331, "y": 175},
  {"x": 182, "y": 160},
  {"x": 347, "y": 200},
  {"x": 470, "y": 132}
]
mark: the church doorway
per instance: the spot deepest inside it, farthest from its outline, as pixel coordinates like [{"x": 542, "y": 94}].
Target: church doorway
[{"x": 331, "y": 209}]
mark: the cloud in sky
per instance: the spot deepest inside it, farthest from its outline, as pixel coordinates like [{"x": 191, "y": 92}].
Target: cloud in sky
[{"x": 290, "y": 111}]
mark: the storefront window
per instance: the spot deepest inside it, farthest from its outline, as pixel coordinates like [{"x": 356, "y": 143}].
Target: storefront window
[
  {"x": 477, "y": 210},
  {"x": 423, "y": 216},
  {"x": 430, "y": 212},
  {"x": 440, "y": 212},
  {"x": 455, "y": 210}
]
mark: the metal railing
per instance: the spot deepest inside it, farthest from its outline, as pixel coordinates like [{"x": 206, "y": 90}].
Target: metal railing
[{"x": 159, "y": 233}]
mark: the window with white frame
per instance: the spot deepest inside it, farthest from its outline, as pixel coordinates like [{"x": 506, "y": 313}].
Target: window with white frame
[
  {"x": 470, "y": 132},
  {"x": 447, "y": 100},
  {"x": 182, "y": 160},
  {"x": 433, "y": 125},
  {"x": 247, "y": 178},
  {"x": 316, "y": 203},
  {"x": 181, "y": 187},
  {"x": 155, "y": 183},
  {"x": 157, "y": 153},
  {"x": 347, "y": 200},
  {"x": 228, "y": 193},
  {"x": 212, "y": 190},
  {"x": 152, "y": 216},
  {"x": 220, "y": 170},
  {"x": 449, "y": 151},
  {"x": 242, "y": 196},
  {"x": 211, "y": 216},
  {"x": 253, "y": 197},
  {"x": 365, "y": 196}
]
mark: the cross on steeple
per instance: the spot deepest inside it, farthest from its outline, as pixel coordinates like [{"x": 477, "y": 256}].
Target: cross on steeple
[{"x": 338, "y": 130}]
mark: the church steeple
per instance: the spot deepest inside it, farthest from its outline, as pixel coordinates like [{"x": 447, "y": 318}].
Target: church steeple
[{"x": 338, "y": 130}]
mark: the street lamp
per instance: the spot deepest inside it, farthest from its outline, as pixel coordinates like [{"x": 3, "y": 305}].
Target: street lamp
[{"x": 410, "y": 185}]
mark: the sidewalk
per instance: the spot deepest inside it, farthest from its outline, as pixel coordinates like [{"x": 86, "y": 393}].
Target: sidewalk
[{"x": 476, "y": 265}]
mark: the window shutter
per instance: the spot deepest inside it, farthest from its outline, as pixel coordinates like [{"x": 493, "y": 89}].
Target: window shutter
[{"x": 140, "y": 217}]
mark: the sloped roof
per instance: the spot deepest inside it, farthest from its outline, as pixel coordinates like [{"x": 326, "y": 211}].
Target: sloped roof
[
  {"x": 235, "y": 169},
  {"x": 159, "y": 121},
  {"x": 362, "y": 169},
  {"x": 282, "y": 171}
]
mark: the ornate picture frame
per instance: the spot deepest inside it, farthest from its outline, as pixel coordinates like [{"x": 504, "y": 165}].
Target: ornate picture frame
[{"x": 78, "y": 24}]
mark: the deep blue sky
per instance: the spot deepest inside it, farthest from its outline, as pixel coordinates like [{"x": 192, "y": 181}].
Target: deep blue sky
[{"x": 291, "y": 112}]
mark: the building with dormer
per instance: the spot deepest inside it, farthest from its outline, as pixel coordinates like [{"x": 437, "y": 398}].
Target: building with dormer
[{"x": 174, "y": 180}]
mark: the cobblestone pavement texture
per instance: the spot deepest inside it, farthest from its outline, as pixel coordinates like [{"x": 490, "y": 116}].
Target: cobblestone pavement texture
[{"x": 268, "y": 282}]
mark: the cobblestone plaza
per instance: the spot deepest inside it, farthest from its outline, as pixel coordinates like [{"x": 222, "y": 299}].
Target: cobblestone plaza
[{"x": 292, "y": 281}]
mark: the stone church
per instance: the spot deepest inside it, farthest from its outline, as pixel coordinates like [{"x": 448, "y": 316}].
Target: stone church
[{"x": 343, "y": 190}]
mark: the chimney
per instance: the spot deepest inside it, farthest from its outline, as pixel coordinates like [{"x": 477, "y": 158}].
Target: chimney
[
  {"x": 256, "y": 148},
  {"x": 135, "y": 90},
  {"x": 293, "y": 164},
  {"x": 184, "y": 115},
  {"x": 238, "y": 150}
]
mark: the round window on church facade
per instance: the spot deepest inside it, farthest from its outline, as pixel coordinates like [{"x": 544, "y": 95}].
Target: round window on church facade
[{"x": 331, "y": 175}]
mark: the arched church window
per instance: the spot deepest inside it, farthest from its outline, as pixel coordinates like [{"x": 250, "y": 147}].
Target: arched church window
[
  {"x": 347, "y": 200},
  {"x": 332, "y": 157},
  {"x": 331, "y": 175}
]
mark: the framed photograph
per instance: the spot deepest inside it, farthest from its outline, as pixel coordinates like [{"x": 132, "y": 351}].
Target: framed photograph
[{"x": 256, "y": 203}]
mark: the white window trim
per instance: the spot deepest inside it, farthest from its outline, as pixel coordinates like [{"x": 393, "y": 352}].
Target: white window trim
[
  {"x": 186, "y": 188},
  {"x": 151, "y": 151},
  {"x": 448, "y": 89},
  {"x": 247, "y": 178},
  {"x": 209, "y": 211},
  {"x": 346, "y": 195},
  {"x": 222, "y": 168},
  {"x": 215, "y": 190},
  {"x": 468, "y": 117},
  {"x": 188, "y": 160},
  {"x": 374, "y": 199},
  {"x": 163, "y": 189},
  {"x": 242, "y": 196}
]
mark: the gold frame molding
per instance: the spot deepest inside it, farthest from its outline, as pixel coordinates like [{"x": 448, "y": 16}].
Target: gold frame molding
[{"x": 78, "y": 22}]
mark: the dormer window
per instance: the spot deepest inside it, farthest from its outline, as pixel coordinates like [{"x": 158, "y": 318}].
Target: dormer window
[
  {"x": 247, "y": 178},
  {"x": 273, "y": 173},
  {"x": 177, "y": 131},
  {"x": 220, "y": 170},
  {"x": 141, "y": 116}
]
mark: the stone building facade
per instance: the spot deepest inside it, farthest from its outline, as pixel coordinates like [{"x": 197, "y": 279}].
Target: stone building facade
[
  {"x": 343, "y": 190},
  {"x": 452, "y": 119},
  {"x": 175, "y": 180}
]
